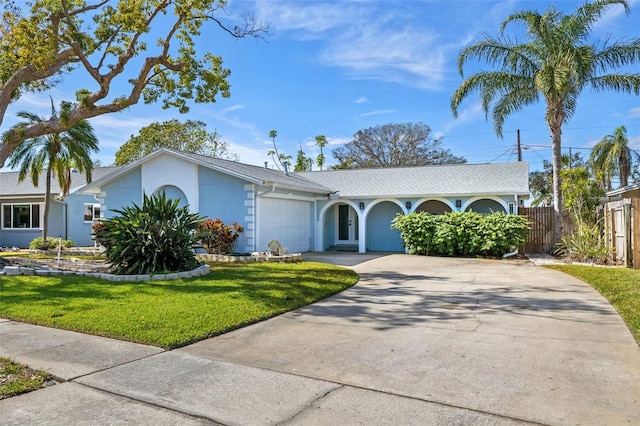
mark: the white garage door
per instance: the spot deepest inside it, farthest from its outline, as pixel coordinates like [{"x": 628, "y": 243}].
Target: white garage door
[{"x": 286, "y": 221}]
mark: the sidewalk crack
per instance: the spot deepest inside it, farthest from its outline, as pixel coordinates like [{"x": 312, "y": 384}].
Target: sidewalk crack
[{"x": 311, "y": 404}]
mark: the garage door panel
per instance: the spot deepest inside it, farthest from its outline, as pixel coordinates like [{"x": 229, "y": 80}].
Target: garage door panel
[{"x": 286, "y": 221}]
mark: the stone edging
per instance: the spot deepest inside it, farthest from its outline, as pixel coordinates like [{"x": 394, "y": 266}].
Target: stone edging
[
  {"x": 21, "y": 270},
  {"x": 293, "y": 257}
]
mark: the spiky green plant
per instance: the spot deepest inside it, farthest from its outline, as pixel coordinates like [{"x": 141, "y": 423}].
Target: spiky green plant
[{"x": 157, "y": 237}]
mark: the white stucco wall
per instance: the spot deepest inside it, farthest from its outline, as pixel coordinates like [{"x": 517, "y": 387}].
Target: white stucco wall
[{"x": 167, "y": 170}]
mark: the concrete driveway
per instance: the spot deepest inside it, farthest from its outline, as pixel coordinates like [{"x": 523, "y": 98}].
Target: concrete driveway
[{"x": 418, "y": 340}]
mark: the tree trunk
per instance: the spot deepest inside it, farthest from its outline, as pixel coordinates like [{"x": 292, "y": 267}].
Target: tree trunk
[
  {"x": 623, "y": 168},
  {"x": 555, "y": 125},
  {"x": 47, "y": 196}
]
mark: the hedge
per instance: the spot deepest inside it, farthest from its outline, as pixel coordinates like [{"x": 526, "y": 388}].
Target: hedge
[{"x": 461, "y": 233}]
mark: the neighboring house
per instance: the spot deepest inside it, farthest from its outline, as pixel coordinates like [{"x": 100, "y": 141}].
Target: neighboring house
[
  {"x": 629, "y": 191},
  {"x": 311, "y": 211},
  {"x": 22, "y": 209}
]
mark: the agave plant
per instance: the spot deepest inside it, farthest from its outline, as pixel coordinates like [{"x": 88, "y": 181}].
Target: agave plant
[{"x": 157, "y": 237}]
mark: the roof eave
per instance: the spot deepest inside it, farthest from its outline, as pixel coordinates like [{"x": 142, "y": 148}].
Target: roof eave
[
  {"x": 622, "y": 190},
  {"x": 448, "y": 195}
]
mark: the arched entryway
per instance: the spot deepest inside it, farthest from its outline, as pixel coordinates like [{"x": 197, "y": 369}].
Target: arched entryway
[
  {"x": 380, "y": 236},
  {"x": 433, "y": 207},
  {"x": 340, "y": 227},
  {"x": 485, "y": 206}
]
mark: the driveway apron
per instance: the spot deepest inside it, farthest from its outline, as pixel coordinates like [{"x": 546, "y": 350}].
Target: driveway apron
[{"x": 418, "y": 340}]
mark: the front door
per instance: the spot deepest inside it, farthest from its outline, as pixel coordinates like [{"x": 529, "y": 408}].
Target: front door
[{"x": 347, "y": 225}]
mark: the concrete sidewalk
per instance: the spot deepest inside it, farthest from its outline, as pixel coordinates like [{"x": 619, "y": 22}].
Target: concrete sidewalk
[{"x": 417, "y": 341}]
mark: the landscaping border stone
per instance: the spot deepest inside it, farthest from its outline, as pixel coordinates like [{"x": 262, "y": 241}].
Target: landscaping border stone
[
  {"x": 261, "y": 257},
  {"x": 21, "y": 270}
]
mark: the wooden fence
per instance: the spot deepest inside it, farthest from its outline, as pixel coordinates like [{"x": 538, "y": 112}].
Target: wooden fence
[
  {"x": 622, "y": 230},
  {"x": 542, "y": 221}
]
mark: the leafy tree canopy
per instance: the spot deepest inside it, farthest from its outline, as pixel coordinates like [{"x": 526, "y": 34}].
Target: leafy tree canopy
[
  {"x": 613, "y": 156},
  {"x": 541, "y": 182},
  {"x": 582, "y": 194},
  {"x": 110, "y": 41},
  {"x": 393, "y": 145},
  {"x": 190, "y": 136}
]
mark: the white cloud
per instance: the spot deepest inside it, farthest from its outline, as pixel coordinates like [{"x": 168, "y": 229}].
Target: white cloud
[
  {"x": 610, "y": 19},
  {"x": 465, "y": 116},
  {"x": 335, "y": 141},
  {"x": 307, "y": 20},
  {"x": 248, "y": 154},
  {"x": 362, "y": 100},
  {"x": 33, "y": 100},
  {"x": 233, "y": 108},
  {"x": 383, "y": 52},
  {"x": 117, "y": 127},
  {"x": 366, "y": 40},
  {"x": 634, "y": 113},
  {"x": 377, "y": 112}
]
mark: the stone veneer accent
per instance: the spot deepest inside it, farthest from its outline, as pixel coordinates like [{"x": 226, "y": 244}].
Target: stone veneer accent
[
  {"x": 250, "y": 218},
  {"x": 294, "y": 257},
  {"x": 21, "y": 270}
]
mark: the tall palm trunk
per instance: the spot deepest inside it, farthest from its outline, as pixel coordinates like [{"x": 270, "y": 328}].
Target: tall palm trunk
[
  {"x": 47, "y": 197},
  {"x": 555, "y": 117},
  {"x": 623, "y": 168}
]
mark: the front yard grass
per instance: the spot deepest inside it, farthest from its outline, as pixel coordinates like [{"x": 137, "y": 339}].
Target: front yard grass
[
  {"x": 171, "y": 314},
  {"x": 620, "y": 286}
]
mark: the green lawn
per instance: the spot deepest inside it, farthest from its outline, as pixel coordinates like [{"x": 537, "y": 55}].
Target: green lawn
[
  {"x": 171, "y": 314},
  {"x": 620, "y": 286}
]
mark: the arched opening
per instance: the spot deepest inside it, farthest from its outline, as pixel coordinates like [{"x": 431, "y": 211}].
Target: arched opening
[
  {"x": 380, "y": 236},
  {"x": 341, "y": 230},
  {"x": 173, "y": 192},
  {"x": 485, "y": 206},
  {"x": 433, "y": 207}
]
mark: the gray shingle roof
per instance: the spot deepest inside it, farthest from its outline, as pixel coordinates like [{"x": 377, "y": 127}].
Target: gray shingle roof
[
  {"x": 442, "y": 180},
  {"x": 9, "y": 185},
  {"x": 261, "y": 174},
  {"x": 255, "y": 174}
]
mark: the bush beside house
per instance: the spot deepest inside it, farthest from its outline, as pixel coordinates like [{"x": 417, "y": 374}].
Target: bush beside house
[
  {"x": 218, "y": 238},
  {"x": 461, "y": 233}
]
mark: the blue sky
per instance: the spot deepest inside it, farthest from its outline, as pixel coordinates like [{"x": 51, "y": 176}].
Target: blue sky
[{"x": 336, "y": 67}]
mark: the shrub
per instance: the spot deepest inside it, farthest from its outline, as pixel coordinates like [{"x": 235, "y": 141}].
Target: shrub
[
  {"x": 218, "y": 238},
  {"x": 587, "y": 244},
  {"x": 52, "y": 244},
  {"x": 97, "y": 231},
  {"x": 461, "y": 233},
  {"x": 157, "y": 237}
]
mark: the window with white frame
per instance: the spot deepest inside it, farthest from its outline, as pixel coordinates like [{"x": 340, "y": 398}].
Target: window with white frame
[
  {"x": 91, "y": 212},
  {"x": 21, "y": 216}
]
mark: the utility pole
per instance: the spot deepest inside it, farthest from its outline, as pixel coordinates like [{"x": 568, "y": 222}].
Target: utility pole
[{"x": 519, "y": 147}]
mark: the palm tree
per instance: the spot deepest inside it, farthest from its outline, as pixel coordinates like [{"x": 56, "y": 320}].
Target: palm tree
[
  {"x": 273, "y": 153},
  {"x": 57, "y": 153},
  {"x": 612, "y": 156},
  {"x": 556, "y": 63},
  {"x": 321, "y": 141}
]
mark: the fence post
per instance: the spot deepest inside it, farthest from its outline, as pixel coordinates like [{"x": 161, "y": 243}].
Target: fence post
[
  {"x": 626, "y": 215},
  {"x": 635, "y": 234}
]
